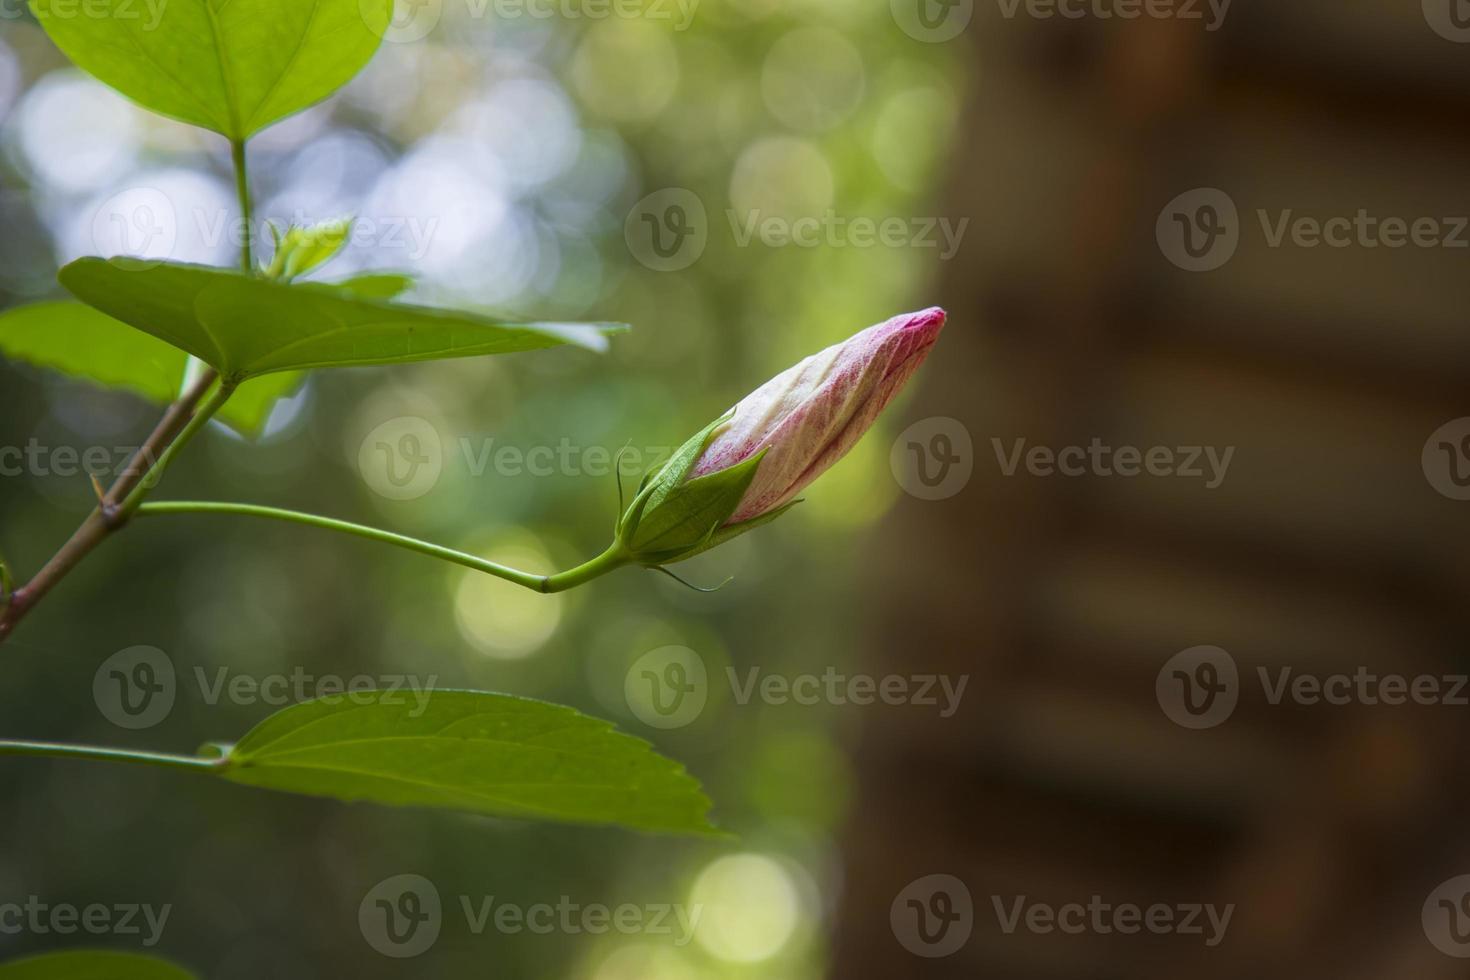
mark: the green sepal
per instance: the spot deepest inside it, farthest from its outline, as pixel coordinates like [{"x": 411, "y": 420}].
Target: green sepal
[
  {"x": 658, "y": 483},
  {"x": 685, "y": 519},
  {"x": 726, "y": 532}
]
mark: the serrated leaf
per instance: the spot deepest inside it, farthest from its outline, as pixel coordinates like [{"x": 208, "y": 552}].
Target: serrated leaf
[
  {"x": 92, "y": 965},
  {"x": 244, "y": 326},
  {"x": 85, "y": 343},
  {"x": 466, "y": 750},
  {"x": 233, "y": 66}
]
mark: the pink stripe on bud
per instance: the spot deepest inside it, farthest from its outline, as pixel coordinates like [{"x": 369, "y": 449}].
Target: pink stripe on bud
[{"x": 809, "y": 416}]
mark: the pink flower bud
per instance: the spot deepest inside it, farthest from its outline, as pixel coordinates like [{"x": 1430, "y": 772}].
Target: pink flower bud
[{"x": 809, "y": 416}]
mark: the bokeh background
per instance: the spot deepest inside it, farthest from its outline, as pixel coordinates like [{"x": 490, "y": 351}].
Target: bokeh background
[{"x": 597, "y": 162}]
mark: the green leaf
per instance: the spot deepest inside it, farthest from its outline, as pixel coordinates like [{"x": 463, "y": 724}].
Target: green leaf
[
  {"x": 467, "y": 750},
  {"x": 244, "y": 326},
  {"x": 92, "y": 965},
  {"x": 233, "y": 66},
  {"x": 377, "y": 285},
  {"x": 302, "y": 249},
  {"x": 82, "y": 342}
]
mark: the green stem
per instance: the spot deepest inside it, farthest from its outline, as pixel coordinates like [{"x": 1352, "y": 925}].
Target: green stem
[
  {"x": 60, "y": 750},
  {"x": 613, "y": 557},
  {"x": 242, "y": 190},
  {"x": 196, "y": 422}
]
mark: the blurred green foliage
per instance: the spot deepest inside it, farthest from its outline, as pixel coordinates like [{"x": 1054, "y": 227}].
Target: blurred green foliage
[{"x": 524, "y": 141}]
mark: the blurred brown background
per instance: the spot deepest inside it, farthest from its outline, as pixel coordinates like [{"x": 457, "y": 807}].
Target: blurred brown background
[{"x": 1326, "y": 549}]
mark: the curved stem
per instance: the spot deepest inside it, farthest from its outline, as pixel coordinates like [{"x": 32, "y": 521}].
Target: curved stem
[
  {"x": 613, "y": 558},
  {"x": 61, "y": 750}
]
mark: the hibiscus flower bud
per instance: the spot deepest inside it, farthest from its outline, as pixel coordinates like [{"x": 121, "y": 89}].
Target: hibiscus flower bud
[{"x": 747, "y": 467}]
